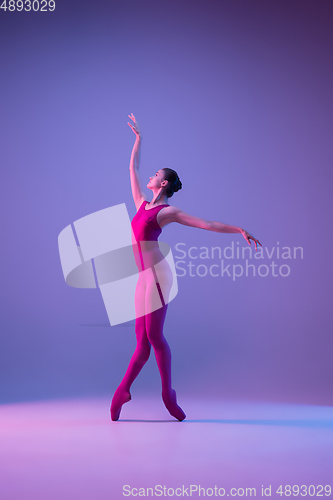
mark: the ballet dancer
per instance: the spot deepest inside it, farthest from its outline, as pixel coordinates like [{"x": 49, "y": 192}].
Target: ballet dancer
[{"x": 155, "y": 276}]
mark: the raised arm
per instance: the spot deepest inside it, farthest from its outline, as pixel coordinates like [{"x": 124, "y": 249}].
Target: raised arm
[
  {"x": 138, "y": 194},
  {"x": 174, "y": 214}
]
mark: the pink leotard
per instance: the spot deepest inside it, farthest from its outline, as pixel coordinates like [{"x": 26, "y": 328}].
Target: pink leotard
[
  {"x": 144, "y": 223},
  {"x": 145, "y": 235}
]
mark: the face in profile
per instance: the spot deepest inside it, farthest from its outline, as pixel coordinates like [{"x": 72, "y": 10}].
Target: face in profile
[{"x": 155, "y": 180}]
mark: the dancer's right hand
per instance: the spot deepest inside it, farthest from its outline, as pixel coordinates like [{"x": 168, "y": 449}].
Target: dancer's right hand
[{"x": 135, "y": 126}]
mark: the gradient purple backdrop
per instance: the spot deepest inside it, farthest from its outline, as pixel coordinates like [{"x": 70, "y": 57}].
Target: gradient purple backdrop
[{"x": 234, "y": 95}]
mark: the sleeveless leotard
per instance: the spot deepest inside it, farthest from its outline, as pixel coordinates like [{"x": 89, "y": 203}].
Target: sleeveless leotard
[
  {"x": 146, "y": 231},
  {"x": 144, "y": 223}
]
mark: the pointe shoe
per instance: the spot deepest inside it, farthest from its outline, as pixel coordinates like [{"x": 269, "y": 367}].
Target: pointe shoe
[
  {"x": 119, "y": 398},
  {"x": 170, "y": 402}
]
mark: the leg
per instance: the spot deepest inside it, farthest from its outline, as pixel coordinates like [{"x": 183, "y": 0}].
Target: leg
[
  {"x": 139, "y": 358},
  {"x": 154, "y": 328}
]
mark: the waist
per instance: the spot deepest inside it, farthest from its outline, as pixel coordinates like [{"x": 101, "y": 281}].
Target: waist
[{"x": 147, "y": 254}]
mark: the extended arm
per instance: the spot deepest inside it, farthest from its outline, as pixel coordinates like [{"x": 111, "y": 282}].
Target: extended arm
[
  {"x": 177, "y": 215},
  {"x": 137, "y": 192},
  {"x": 219, "y": 227}
]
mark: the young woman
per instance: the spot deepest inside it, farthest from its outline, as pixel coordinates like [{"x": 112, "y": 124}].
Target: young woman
[{"x": 155, "y": 276}]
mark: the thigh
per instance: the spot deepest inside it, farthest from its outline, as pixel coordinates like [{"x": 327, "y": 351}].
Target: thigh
[
  {"x": 151, "y": 301},
  {"x": 140, "y": 298},
  {"x": 156, "y": 310},
  {"x": 148, "y": 296},
  {"x": 164, "y": 279}
]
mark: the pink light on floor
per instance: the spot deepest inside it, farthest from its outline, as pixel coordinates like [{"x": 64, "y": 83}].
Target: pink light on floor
[{"x": 71, "y": 449}]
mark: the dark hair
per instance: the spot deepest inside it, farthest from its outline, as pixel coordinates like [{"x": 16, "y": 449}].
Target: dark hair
[{"x": 174, "y": 183}]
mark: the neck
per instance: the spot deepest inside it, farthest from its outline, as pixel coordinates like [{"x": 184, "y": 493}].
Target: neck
[{"x": 159, "y": 199}]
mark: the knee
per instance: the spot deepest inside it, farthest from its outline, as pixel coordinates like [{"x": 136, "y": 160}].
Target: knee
[
  {"x": 156, "y": 338},
  {"x": 140, "y": 331},
  {"x": 143, "y": 350}
]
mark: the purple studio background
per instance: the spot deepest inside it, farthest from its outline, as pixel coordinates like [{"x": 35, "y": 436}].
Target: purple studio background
[{"x": 236, "y": 96}]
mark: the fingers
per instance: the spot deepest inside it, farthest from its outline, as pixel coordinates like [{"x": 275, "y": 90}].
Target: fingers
[
  {"x": 135, "y": 130},
  {"x": 132, "y": 117},
  {"x": 255, "y": 240},
  {"x": 256, "y": 243},
  {"x": 249, "y": 237}
]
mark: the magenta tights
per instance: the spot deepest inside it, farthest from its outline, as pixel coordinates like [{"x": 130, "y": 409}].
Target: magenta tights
[{"x": 149, "y": 332}]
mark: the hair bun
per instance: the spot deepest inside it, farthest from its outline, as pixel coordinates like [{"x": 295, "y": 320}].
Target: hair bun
[
  {"x": 178, "y": 185},
  {"x": 174, "y": 183}
]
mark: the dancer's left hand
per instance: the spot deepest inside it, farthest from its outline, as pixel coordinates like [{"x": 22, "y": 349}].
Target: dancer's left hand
[
  {"x": 249, "y": 237},
  {"x": 135, "y": 126}
]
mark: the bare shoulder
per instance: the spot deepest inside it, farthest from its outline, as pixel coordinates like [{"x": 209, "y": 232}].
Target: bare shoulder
[
  {"x": 167, "y": 215},
  {"x": 171, "y": 210},
  {"x": 175, "y": 214}
]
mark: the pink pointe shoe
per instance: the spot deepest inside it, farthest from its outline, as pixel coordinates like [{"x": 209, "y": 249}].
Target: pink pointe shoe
[
  {"x": 171, "y": 405},
  {"x": 119, "y": 398}
]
